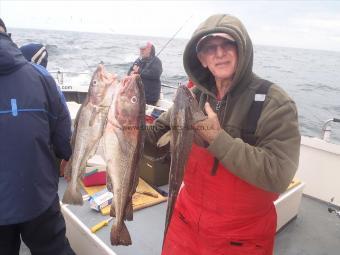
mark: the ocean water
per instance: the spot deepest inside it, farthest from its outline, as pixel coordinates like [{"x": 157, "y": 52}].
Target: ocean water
[{"x": 310, "y": 77}]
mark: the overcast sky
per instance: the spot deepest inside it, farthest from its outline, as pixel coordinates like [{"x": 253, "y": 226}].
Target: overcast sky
[{"x": 302, "y": 24}]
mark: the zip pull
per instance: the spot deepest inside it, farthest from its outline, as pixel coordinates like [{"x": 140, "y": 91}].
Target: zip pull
[{"x": 218, "y": 105}]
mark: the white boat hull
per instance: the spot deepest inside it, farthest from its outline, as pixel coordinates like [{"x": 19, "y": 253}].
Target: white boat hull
[{"x": 319, "y": 168}]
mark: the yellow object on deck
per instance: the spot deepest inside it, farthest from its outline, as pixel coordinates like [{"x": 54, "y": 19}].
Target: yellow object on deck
[
  {"x": 145, "y": 196},
  {"x": 101, "y": 224},
  {"x": 293, "y": 183}
]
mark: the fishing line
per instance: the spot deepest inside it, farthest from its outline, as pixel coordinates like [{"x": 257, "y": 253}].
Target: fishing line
[
  {"x": 166, "y": 44},
  {"x": 173, "y": 37}
]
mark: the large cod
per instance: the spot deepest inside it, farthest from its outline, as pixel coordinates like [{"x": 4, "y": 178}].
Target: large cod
[
  {"x": 123, "y": 142},
  {"x": 88, "y": 129}
]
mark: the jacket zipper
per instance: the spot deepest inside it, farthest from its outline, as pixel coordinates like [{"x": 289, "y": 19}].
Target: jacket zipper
[
  {"x": 221, "y": 117},
  {"x": 218, "y": 105}
]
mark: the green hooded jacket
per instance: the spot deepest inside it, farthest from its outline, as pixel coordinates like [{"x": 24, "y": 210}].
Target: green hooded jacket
[{"x": 270, "y": 164}]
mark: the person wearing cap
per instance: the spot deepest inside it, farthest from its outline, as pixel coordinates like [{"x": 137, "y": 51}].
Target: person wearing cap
[
  {"x": 226, "y": 203},
  {"x": 35, "y": 124},
  {"x": 149, "y": 66},
  {"x": 35, "y": 53}
]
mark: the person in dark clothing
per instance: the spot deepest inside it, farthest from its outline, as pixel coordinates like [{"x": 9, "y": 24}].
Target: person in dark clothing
[
  {"x": 35, "y": 53},
  {"x": 34, "y": 123},
  {"x": 149, "y": 66}
]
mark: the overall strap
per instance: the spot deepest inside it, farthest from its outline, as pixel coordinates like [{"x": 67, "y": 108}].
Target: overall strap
[{"x": 250, "y": 125}]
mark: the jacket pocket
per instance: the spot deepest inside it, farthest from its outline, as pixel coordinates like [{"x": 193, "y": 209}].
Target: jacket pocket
[{"x": 237, "y": 247}]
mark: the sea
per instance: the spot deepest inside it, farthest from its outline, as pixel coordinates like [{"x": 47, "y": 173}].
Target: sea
[{"x": 310, "y": 77}]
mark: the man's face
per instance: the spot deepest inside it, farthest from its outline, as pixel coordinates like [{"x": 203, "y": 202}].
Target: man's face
[
  {"x": 219, "y": 55},
  {"x": 2, "y": 30},
  {"x": 145, "y": 52}
]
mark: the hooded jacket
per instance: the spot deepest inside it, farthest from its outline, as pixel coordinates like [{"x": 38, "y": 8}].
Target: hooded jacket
[
  {"x": 34, "y": 124},
  {"x": 272, "y": 162},
  {"x": 150, "y": 72}
]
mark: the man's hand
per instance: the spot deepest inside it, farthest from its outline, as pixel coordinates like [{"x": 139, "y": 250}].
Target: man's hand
[
  {"x": 135, "y": 69},
  {"x": 209, "y": 128},
  {"x": 63, "y": 164}
]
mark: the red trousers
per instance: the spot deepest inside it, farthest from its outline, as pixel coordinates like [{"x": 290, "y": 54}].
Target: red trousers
[{"x": 221, "y": 214}]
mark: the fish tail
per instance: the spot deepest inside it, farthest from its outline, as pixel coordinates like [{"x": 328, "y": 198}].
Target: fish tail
[
  {"x": 120, "y": 236},
  {"x": 72, "y": 196}
]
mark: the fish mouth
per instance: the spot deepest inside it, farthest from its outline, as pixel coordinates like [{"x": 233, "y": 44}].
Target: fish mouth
[
  {"x": 187, "y": 92},
  {"x": 105, "y": 76}
]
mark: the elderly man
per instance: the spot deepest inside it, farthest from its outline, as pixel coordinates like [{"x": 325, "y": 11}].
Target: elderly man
[
  {"x": 251, "y": 150},
  {"x": 150, "y": 69}
]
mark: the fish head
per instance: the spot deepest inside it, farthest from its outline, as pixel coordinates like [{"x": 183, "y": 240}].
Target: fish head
[
  {"x": 130, "y": 102},
  {"x": 100, "y": 82},
  {"x": 186, "y": 106}
]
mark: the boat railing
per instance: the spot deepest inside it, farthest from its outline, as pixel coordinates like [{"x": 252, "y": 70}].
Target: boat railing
[
  {"x": 327, "y": 129},
  {"x": 59, "y": 75},
  {"x": 169, "y": 86}
]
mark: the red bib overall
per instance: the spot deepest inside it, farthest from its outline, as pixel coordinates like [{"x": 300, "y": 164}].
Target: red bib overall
[{"x": 221, "y": 214}]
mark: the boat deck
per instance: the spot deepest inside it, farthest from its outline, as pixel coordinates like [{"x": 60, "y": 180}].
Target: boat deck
[{"x": 313, "y": 232}]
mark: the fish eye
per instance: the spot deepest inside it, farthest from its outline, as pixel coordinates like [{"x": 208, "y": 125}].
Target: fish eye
[
  {"x": 133, "y": 99},
  {"x": 94, "y": 82}
]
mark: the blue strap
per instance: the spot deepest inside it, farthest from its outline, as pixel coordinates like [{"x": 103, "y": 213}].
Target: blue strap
[
  {"x": 38, "y": 110},
  {"x": 15, "y": 110},
  {"x": 14, "y": 107}
]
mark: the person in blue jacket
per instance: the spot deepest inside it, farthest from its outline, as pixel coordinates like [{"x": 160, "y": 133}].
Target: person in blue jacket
[
  {"x": 34, "y": 123},
  {"x": 35, "y": 53},
  {"x": 149, "y": 67}
]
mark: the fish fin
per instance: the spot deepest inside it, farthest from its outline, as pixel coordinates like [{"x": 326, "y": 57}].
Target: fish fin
[
  {"x": 75, "y": 126},
  {"x": 113, "y": 210},
  {"x": 93, "y": 117},
  {"x": 120, "y": 236},
  {"x": 72, "y": 196},
  {"x": 129, "y": 211},
  {"x": 198, "y": 116},
  {"x": 164, "y": 140}
]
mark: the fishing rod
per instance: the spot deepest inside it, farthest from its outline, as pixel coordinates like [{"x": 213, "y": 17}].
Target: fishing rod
[
  {"x": 173, "y": 37},
  {"x": 148, "y": 64},
  {"x": 168, "y": 86},
  {"x": 166, "y": 44}
]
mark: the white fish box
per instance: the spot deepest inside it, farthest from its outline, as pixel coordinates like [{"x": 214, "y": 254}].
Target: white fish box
[{"x": 100, "y": 199}]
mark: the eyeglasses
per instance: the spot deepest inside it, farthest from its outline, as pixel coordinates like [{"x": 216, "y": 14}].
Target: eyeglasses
[{"x": 211, "y": 49}]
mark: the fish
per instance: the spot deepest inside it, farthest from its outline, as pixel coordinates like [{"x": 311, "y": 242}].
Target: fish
[
  {"x": 88, "y": 129},
  {"x": 184, "y": 113},
  {"x": 123, "y": 143}
]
